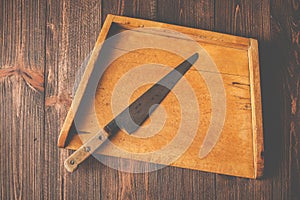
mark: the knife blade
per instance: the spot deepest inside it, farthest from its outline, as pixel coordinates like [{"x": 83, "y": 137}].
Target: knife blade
[{"x": 132, "y": 117}]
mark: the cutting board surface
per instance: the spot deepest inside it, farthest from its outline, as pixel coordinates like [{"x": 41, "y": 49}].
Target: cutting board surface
[{"x": 211, "y": 120}]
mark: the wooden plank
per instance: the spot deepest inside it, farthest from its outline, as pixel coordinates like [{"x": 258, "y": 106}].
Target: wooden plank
[
  {"x": 257, "y": 123},
  {"x": 83, "y": 84},
  {"x": 198, "y": 14},
  {"x": 72, "y": 30},
  {"x": 118, "y": 184},
  {"x": 196, "y": 185},
  {"x": 172, "y": 16},
  {"x": 130, "y": 8},
  {"x": 146, "y": 9},
  {"x": 53, "y": 189},
  {"x": 285, "y": 34},
  {"x": 246, "y": 19},
  {"x": 198, "y": 35},
  {"x": 22, "y": 98}
]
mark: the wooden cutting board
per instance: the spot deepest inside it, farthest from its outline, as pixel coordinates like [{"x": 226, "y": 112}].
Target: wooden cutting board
[{"x": 212, "y": 120}]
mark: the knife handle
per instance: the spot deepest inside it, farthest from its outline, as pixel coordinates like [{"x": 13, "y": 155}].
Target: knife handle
[{"x": 72, "y": 162}]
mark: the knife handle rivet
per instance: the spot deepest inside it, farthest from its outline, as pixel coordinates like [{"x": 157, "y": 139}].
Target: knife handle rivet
[
  {"x": 87, "y": 149},
  {"x": 100, "y": 137},
  {"x": 72, "y": 162}
]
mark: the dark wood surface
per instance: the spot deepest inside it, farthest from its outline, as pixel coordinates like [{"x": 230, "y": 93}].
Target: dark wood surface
[{"x": 43, "y": 43}]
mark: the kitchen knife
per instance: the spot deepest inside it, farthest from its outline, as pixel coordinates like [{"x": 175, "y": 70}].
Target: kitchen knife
[{"x": 132, "y": 117}]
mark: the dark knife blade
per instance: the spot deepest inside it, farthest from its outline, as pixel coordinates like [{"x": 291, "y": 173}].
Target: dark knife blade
[{"x": 131, "y": 118}]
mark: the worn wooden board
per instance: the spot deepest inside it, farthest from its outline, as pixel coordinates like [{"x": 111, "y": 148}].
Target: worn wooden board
[{"x": 232, "y": 59}]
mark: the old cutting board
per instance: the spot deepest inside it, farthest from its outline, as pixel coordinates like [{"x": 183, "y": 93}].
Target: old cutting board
[{"x": 212, "y": 120}]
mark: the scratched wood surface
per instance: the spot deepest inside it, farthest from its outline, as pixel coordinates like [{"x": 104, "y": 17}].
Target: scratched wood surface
[{"x": 43, "y": 44}]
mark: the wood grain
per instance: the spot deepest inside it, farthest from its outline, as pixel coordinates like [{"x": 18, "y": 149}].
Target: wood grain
[
  {"x": 285, "y": 33},
  {"x": 72, "y": 29},
  {"x": 50, "y": 32},
  {"x": 22, "y": 98},
  {"x": 205, "y": 183},
  {"x": 237, "y": 17}
]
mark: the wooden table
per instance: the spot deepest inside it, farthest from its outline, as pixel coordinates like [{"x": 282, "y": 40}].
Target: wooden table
[{"x": 43, "y": 44}]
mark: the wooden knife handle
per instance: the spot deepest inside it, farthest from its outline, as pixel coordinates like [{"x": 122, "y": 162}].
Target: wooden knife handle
[{"x": 72, "y": 162}]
